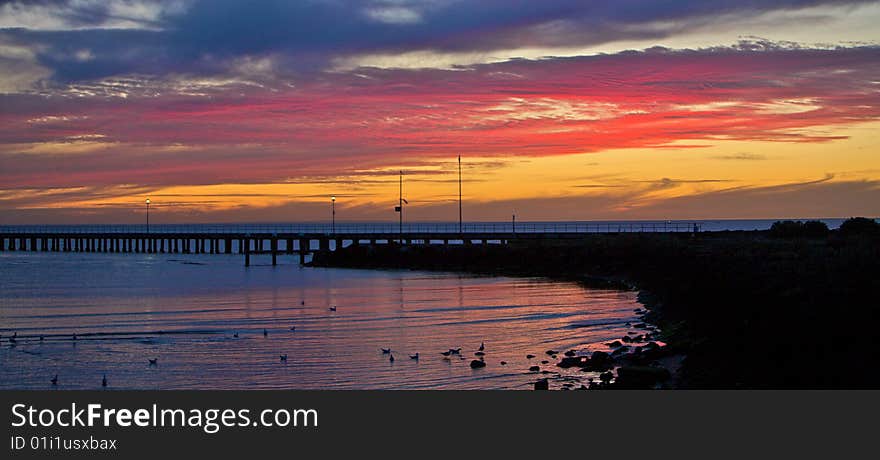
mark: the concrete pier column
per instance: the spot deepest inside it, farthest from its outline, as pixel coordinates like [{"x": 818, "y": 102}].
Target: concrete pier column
[
  {"x": 273, "y": 244},
  {"x": 304, "y": 248},
  {"x": 288, "y": 248},
  {"x": 227, "y": 245},
  {"x": 338, "y": 244},
  {"x": 247, "y": 252}
]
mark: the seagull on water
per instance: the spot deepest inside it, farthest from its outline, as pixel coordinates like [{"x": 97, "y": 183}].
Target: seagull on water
[
  {"x": 391, "y": 358},
  {"x": 333, "y": 308},
  {"x": 415, "y": 356},
  {"x": 265, "y": 333},
  {"x": 104, "y": 381},
  {"x": 54, "y": 380},
  {"x": 235, "y": 335},
  {"x": 153, "y": 362},
  {"x": 446, "y": 353},
  {"x": 283, "y": 358},
  {"x": 385, "y": 351},
  {"x": 455, "y": 351},
  {"x": 482, "y": 346},
  {"x": 292, "y": 328}
]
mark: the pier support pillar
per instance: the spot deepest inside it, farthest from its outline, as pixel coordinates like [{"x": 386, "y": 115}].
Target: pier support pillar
[
  {"x": 274, "y": 248},
  {"x": 247, "y": 253}
]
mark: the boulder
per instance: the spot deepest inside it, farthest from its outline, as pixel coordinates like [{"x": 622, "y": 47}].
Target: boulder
[
  {"x": 550, "y": 352},
  {"x": 542, "y": 384},
  {"x": 569, "y": 353},
  {"x": 476, "y": 364},
  {"x": 571, "y": 361},
  {"x": 615, "y": 344},
  {"x": 606, "y": 376},
  {"x": 534, "y": 369}
]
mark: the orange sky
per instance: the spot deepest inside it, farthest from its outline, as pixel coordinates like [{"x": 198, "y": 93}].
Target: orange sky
[{"x": 689, "y": 122}]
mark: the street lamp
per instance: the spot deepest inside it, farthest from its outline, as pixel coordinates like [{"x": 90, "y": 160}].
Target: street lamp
[
  {"x": 333, "y": 214},
  {"x": 148, "y": 215},
  {"x": 513, "y": 220}
]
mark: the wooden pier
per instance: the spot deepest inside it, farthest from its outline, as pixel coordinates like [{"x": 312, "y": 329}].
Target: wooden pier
[
  {"x": 246, "y": 244},
  {"x": 299, "y": 241}
]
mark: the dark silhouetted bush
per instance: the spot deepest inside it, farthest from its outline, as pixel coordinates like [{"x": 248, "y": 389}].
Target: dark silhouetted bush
[
  {"x": 815, "y": 229},
  {"x": 860, "y": 226},
  {"x": 798, "y": 229},
  {"x": 787, "y": 229}
]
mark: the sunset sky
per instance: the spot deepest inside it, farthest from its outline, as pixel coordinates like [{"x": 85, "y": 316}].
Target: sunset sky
[{"x": 223, "y": 111}]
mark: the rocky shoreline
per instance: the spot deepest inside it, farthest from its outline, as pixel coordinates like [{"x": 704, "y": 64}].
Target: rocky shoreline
[{"x": 732, "y": 309}]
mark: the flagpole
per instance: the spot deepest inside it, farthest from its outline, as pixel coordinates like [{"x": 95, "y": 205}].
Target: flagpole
[
  {"x": 459, "y": 195},
  {"x": 400, "y": 204}
]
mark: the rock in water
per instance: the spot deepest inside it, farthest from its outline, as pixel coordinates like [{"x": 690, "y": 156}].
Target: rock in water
[
  {"x": 476, "y": 364},
  {"x": 534, "y": 369},
  {"x": 542, "y": 384}
]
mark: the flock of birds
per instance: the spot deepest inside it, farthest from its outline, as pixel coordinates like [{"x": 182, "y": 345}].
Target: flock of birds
[
  {"x": 480, "y": 353},
  {"x": 152, "y": 362},
  {"x": 447, "y": 355}
]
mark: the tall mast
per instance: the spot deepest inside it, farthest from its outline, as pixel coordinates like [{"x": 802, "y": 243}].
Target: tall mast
[{"x": 459, "y": 195}]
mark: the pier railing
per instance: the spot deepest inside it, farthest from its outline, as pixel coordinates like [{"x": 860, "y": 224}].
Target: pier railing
[{"x": 368, "y": 228}]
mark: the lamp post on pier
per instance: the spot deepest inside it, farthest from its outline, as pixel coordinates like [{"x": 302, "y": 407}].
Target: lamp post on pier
[
  {"x": 148, "y": 215},
  {"x": 333, "y": 214}
]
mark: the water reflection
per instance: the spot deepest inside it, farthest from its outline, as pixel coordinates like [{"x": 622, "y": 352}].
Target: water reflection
[{"x": 184, "y": 310}]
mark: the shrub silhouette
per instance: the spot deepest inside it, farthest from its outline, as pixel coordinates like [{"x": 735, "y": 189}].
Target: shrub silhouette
[
  {"x": 860, "y": 226},
  {"x": 796, "y": 229}
]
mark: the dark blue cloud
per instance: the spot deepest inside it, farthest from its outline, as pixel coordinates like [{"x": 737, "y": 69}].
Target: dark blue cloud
[{"x": 306, "y": 34}]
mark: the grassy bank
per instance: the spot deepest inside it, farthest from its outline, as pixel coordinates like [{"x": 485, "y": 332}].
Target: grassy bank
[{"x": 748, "y": 309}]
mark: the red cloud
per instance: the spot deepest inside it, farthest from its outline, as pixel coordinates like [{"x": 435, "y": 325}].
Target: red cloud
[{"x": 333, "y": 123}]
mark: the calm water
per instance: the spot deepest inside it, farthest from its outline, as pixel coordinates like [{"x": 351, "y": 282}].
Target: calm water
[{"x": 118, "y": 304}]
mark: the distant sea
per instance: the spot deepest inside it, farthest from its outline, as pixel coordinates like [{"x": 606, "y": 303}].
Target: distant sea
[{"x": 452, "y": 227}]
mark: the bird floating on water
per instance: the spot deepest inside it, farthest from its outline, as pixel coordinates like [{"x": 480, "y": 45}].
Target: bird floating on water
[
  {"x": 479, "y": 353},
  {"x": 283, "y": 358},
  {"x": 303, "y": 302},
  {"x": 446, "y": 353},
  {"x": 333, "y": 308},
  {"x": 265, "y": 333},
  {"x": 74, "y": 336},
  {"x": 104, "y": 381},
  {"x": 385, "y": 351},
  {"x": 153, "y": 362},
  {"x": 235, "y": 335},
  {"x": 41, "y": 338},
  {"x": 54, "y": 380},
  {"x": 292, "y": 328},
  {"x": 391, "y": 358},
  {"x": 482, "y": 346},
  {"x": 415, "y": 356},
  {"x": 455, "y": 351}
]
